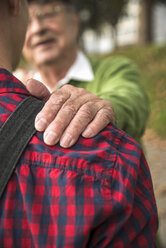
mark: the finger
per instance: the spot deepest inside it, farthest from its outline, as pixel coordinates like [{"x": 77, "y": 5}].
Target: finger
[
  {"x": 37, "y": 89},
  {"x": 56, "y": 128},
  {"x": 65, "y": 102},
  {"x": 101, "y": 120},
  {"x": 50, "y": 109},
  {"x": 80, "y": 121}
]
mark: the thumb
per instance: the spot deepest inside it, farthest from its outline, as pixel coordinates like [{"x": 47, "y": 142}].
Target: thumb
[{"x": 37, "y": 89}]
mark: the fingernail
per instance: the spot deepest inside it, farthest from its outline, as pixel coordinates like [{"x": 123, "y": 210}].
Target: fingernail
[
  {"x": 50, "y": 138},
  {"x": 41, "y": 124},
  {"x": 87, "y": 133},
  {"x": 66, "y": 141}
]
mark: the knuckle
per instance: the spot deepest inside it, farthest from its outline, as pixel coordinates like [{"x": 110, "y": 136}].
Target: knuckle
[
  {"x": 57, "y": 126},
  {"x": 49, "y": 111},
  {"x": 75, "y": 92},
  {"x": 47, "y": 115},
  {"x": 82, "y": 91},
  {"x": 107, "y": 111},
  {"x": 94, "y": 128},
  {"x": 108, "y": 105},
  {"x": 57, "y": 99},
  {"x": 70, "y": 107},
  {"x": 107, "y": 116},
  {"x": 76, "y": 128},
  {"x": 67, "y": 87},
  {"x": 86, "y": 112}
]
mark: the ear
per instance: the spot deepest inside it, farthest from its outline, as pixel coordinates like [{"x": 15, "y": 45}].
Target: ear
[
  {"x": 14, "y": 6},
  {"x": 74, "y": 19}
]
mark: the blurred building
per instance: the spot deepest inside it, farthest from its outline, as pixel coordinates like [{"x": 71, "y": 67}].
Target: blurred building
[
  {"x": 127, "y": 30},
  {"x": 128, "y": 26},
  {"x": 159, "y": 24}
]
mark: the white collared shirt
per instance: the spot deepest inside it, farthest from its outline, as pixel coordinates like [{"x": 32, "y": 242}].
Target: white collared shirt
[{"x": 81, "y": 70}]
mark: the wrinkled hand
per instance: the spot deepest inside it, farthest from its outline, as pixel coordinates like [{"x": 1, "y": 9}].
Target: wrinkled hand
[{"x": 69, "y": 112}]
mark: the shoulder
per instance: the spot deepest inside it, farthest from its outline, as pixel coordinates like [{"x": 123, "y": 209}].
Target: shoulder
[
  {"x": 121, "y": 142},
  {"x": 95, "y": 156},
  {"x": 112, "y": 65},
  {"x": 110, "y": 60}
]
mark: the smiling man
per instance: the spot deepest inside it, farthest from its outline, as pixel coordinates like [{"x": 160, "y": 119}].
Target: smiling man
[{"x": 52, "y": 36}]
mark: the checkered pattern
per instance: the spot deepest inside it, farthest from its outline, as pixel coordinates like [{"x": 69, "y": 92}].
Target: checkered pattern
[{"x": 96, "y": 194}]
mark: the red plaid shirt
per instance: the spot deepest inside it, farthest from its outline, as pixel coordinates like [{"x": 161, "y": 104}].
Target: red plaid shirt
[{"x": 96, "y": 194}]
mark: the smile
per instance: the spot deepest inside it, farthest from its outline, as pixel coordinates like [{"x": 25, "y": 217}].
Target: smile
[{"x": 44, "y": 43}]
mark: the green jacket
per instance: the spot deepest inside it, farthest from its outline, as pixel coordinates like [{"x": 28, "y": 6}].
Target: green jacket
[{"x": 117, "y": 80}]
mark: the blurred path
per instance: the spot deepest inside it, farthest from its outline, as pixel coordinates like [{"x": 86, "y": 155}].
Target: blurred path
[{"x": 155, "y": 149}]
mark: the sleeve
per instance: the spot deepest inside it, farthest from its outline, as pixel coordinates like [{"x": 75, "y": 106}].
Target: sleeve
[
  {"x": 130, "y": 210},
  {"x": 120, "y": 85}
]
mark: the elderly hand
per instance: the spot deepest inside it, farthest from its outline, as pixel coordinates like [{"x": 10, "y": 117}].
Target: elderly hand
[{"x": 69, "y": 112}]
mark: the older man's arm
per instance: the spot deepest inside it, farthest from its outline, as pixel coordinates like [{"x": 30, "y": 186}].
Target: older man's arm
[{"x": 70, "y": 112}]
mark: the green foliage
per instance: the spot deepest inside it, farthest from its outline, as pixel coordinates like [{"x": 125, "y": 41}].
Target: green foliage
[
  {"x": 151, "y": 61},
  {"x": 96, "y": 12}
]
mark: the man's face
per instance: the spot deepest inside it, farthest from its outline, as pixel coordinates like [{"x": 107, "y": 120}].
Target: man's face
[{"x": 52, "y": 33}]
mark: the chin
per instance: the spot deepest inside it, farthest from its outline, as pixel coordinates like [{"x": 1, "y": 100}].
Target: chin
[{"x": 47, "y": 60}]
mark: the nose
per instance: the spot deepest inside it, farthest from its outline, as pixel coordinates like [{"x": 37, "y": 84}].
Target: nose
[{"x": 36, "y": 25}]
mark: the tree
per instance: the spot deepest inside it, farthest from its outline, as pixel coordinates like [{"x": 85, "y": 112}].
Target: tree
[
  {"x": 112, "y": 10},
  {"x": 146, "y": 19},
  {"x": 95, "y": 13}
]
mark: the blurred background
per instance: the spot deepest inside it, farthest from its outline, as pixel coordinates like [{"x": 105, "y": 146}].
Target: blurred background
[{"x": 136, "y": 29}]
